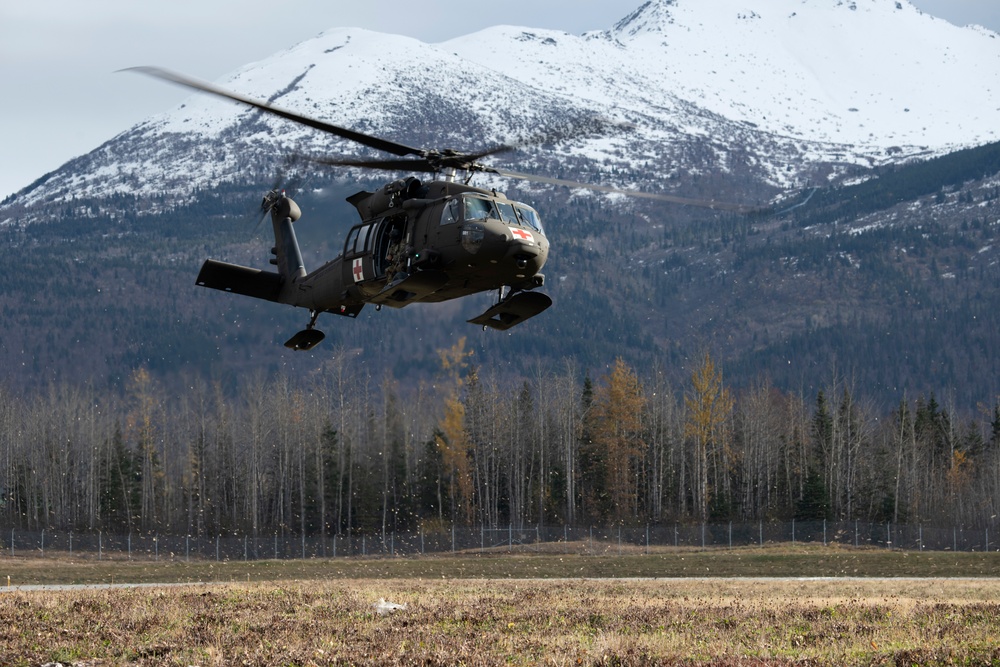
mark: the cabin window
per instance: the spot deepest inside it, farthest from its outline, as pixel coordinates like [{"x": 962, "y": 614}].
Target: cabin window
[
  {"x": 362, "y": 239},
  {"x": 351, "y": 240}
]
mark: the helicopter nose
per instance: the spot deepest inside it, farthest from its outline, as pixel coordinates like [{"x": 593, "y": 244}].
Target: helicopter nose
[
  {"x": 528, "y": 250},
  {"x": 496, "y": 242},
  {"x": 521, "y": 242}
]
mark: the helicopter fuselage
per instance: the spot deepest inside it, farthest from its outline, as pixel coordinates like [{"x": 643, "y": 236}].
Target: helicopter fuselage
[
  {"x": 478, "y": 238},
  {"x": 416, "y": 243}
]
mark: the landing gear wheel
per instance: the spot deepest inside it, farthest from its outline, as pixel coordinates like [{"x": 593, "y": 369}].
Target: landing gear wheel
[
  {"x": 308, "y": 338},
  {"x": 515, "y": 308}
]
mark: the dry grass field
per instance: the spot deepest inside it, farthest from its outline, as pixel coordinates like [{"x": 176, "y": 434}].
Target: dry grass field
[{"x": 331, "y": 619}]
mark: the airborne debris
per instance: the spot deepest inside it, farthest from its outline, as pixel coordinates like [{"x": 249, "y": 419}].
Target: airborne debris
[{"x": 382, "y": 607}]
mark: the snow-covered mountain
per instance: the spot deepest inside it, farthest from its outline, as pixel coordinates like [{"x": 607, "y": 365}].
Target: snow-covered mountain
[{"x": 765, "y": 87}]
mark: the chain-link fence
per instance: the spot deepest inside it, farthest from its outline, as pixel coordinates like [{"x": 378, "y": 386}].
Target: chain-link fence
[{"x": 462, "y": 539}]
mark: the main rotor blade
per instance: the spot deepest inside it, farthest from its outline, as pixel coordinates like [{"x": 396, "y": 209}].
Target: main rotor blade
[
  {"x": 703, "y": 203},
  {"x": 591, "y": 127},
  {"x": 385, "y": 165},
  {"x": 358, "y": 137}
]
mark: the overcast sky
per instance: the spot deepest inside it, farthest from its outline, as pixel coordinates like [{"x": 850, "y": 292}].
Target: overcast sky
[{"x": 62, "y": 98}]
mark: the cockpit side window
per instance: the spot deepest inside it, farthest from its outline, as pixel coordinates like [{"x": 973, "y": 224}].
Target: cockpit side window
[
  {"x": 529, "y": 217},
  {"x": 452, "y": 212},
  {"x": 478, "y": 209}
]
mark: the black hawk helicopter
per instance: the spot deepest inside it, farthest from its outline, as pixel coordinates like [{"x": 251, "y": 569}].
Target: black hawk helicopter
[{"x": 417, "y": 242}]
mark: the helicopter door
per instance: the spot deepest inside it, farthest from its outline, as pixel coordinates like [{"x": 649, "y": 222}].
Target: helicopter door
[
  {"x": 368, "y": 247},
  {"x": 387, "y": 242},
  {"x": 357, "y": 253}
]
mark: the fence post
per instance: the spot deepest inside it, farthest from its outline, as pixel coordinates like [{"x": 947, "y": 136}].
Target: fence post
[
  {"x": 216, "y": 548},
  {"x": 245, "y": 552},
  {"x": 364, "y": 545},
  {"x": 987, "y": 538},
  {"x": 793, "y": 531},
  {"x": 702, "y": 534},
  {"x": 453, "y": 538},
  {"x": 100, "y": 546},
  {"x": 421, "y": 539},
  {"x": 11, "y": 542},
  {"x": 954, "y": 538},
  {"x": 510, "y": 536},
  {"x": 303, "y": 546},
  {"x": 824, "y": 532},
  {"x": 920, "y": 531},
  {"x": 482, "y": 538},
  {"x": 855, "y": 533},
  {"x": 888, "y": 535},
  {"x": 730, "y": 534},
  {"x": 760, "y": 527},
  {"x": 43, "y": 541},
  {"x": 71, "y": 543},
  {"x": 128, "y": 541},
  {"x": 676, "y": 535},
  {"x": 647, "y": 539}
]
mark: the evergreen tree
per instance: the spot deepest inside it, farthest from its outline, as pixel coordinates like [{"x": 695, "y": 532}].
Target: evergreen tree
[
  {"x": 121, "y": 487},
  {"x": 815, "y": 502}
]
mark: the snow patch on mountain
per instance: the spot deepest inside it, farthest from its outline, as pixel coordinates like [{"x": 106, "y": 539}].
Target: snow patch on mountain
[
  {"x": 769, "y": 86},
  {"x": 872, "y": 74}
]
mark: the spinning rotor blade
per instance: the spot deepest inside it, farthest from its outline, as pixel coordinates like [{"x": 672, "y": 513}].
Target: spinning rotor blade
[
  {"x": 386, "y": 165},
  {"x": 435, "y": 161},
  {"x": 363, "y": 139},
  {"x": 703, "y": 203}
]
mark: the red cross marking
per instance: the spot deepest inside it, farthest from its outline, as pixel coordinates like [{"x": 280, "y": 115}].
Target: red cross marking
[
  {"x": 521, "y": 234},
  {"x": 359, "y": 273}
]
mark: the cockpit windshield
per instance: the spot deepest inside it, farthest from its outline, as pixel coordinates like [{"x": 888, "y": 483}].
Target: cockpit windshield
[
  {"x": 481, "y": 208},
  {"x": 529, "y": 218},
  {"x": 507, "y": 213}
]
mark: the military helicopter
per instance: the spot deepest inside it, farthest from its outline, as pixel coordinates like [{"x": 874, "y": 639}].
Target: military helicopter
[{"x": 417, "y": 242}]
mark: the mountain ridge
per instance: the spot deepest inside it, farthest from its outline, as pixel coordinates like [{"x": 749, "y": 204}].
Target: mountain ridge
[{"x": 747, "y": 90}]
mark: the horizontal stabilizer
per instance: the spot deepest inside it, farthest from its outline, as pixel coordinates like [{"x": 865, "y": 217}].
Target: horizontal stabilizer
[
  {"x": 240, "y": 280},
  {"x": 513, "y": 310}
]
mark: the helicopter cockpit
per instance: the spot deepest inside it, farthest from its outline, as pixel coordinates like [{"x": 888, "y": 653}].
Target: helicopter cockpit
[{"x": 478, "y": 207}]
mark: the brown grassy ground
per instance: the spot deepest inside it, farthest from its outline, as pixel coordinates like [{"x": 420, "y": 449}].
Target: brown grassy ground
[
  {"x": 775, "y": 561},
  {"x": 489, "y": 610},
  {"x": 524, "y": 622}
]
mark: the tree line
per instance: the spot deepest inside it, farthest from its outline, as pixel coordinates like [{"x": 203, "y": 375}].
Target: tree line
[{"x": 342, "y": 452}]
